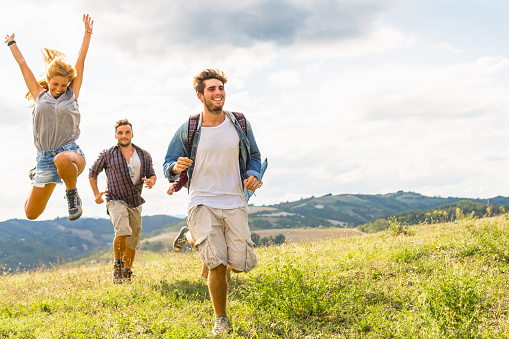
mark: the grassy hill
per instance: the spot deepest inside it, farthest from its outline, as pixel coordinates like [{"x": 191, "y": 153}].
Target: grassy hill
[
  {"x": 442, "y": 213},
  {"x": 443, "y": 281},
  {"x": 25, "y": 243},
  {"x": 347, "y": 210}
]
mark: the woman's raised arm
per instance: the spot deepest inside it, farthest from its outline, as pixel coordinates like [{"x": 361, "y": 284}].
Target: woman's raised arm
[
  {"x": 33, "y": 86},
  {"x": 80, "y": 63}
]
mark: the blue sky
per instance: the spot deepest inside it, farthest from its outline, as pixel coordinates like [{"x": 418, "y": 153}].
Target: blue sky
[{"x": 356, "y": 96}]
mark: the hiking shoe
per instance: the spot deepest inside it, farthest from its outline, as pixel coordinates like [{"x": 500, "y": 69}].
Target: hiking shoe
[
  {"x": 31, "y": 173},
  {"x": 221, "y": 326},
  {"x": 181, "y": 239},
  {"x": 117, "y": 273},
  {"x": 74, "y": 201},
  {"x": 127, "y": 273}
]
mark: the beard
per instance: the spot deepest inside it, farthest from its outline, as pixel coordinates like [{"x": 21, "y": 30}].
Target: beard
[
  {"x": 213, "y": 108},
  {"x": 124, "y": 143}
]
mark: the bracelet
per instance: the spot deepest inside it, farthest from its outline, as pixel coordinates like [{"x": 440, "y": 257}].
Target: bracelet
[
  {"x": 11, "y": 42},
  {"x": 87, "y": 31}
]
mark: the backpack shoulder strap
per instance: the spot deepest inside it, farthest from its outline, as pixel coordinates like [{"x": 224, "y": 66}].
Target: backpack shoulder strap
[
  {"x": 191, "y": 130},
  {"x": 241, "y": 120}
]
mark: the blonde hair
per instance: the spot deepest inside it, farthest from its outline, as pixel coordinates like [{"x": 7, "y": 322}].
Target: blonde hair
[
  {"x": 55, "y": 66},
  {"x": 206, "y": 74}
]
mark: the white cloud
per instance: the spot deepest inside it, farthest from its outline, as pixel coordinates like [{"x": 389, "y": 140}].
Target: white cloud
[
  {"x": 447, "y": 47},
  {"x": 378, "y": 41},
  {"x": 286, "y": 78}
]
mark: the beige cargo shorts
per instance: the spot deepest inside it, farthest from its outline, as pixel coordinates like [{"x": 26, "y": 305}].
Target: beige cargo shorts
[
  {"x": 223, "y": 237},
  {"x": 126, "y": 221}
]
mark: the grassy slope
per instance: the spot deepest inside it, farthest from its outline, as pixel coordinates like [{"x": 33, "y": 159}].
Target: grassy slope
[{"x": 445, "y": 281}]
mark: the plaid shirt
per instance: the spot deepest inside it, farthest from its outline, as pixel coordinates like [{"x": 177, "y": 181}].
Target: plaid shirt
[
  {"x": 180, "y": 182},
  {"x": 120, "y": 185}
]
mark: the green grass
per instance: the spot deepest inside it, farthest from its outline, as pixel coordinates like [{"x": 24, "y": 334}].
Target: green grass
[{"x": 438, "y": 281}]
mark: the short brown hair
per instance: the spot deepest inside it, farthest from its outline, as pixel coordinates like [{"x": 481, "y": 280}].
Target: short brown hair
[
  {"x": 123, "y": 122},
  {"x": 207, "y": 74}
]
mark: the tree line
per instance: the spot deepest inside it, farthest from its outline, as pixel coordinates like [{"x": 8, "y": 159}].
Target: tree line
[{"x": 440, "y": 214}]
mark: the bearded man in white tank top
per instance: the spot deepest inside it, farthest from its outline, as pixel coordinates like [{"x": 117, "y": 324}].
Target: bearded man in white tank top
[{"x": 222, "y": 163}]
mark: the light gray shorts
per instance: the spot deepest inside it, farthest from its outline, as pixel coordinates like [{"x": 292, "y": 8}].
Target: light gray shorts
[
  {"x": 223, "y": 237},
  {"x": 126, "y": 221}
]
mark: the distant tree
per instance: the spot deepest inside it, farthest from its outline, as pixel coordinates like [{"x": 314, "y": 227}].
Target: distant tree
[{"x": 279, "y": 239}]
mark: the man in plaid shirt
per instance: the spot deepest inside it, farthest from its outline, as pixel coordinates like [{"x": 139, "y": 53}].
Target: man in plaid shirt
[{"x": 127, "y": 168}]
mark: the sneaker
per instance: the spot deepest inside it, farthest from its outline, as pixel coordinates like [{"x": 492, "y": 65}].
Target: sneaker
[
  {"x": 127, "y": 273},
  {"x": 181, "y": 239},
  {"x": 31, "y": 173},
  {"x": 221, "y": 326},
  {"x": 118, "y": 267},
  {"x": 74, "y": 201}
]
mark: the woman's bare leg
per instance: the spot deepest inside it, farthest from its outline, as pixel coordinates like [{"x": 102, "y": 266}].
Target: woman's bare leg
[
  {"x": 37, "y": 200},
  {"x": 69, "y": 165}
]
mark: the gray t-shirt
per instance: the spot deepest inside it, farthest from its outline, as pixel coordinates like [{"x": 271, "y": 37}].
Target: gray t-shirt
[{"x": 56, "y": 122}]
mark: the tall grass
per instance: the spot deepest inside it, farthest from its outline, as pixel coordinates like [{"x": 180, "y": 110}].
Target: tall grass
[{"x": 437, "y": 281}]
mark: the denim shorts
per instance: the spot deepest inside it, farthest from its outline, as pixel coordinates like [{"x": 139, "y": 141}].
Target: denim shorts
[{"x": 46, "y": 171}]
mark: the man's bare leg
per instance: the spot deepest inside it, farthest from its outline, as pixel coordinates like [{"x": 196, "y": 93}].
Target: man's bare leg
[{"x": 218, "y": 289}]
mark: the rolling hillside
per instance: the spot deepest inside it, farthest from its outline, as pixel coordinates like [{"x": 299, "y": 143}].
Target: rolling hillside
[
  {"x": 347, "y": 210},
  {"x": 26, "y": 243},
  {"x": 443, "y": 281}
]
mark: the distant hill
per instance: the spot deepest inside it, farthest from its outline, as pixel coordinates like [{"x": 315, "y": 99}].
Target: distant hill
[
  {"x": 26, "y": 243},
  {"x": 438, "y": 214},
  {"x": 347, "y": 210}
]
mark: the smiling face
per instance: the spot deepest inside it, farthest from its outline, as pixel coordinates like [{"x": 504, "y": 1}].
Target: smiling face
[
  {"x": 57, "y": 85},
  {"x": 124, "y": 134},
  {"x": 213, "y": 96}
]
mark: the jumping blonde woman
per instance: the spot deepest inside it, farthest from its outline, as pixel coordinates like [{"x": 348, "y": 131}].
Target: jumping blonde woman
[{"x": 56, "y": 120}]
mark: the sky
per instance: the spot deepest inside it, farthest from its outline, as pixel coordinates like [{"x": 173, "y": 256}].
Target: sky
[{"x": 344, "y": 96}]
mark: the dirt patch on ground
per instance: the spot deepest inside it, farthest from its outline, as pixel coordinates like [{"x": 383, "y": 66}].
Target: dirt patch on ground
[{"x": 256, "y": 209}]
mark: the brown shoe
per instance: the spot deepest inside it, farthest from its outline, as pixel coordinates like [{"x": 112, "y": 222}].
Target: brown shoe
[
  {"x": 117, "y": 272},
  {"x": 127, "y": 275}
]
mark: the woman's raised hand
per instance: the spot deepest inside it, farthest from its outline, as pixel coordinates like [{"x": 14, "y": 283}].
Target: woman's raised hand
[
  {"x": 89, "y": 23},
  {"x": 9, "y": 38}
]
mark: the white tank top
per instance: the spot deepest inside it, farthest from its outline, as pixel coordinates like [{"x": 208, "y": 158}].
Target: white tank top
[{"x": 216, "y": 179}]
